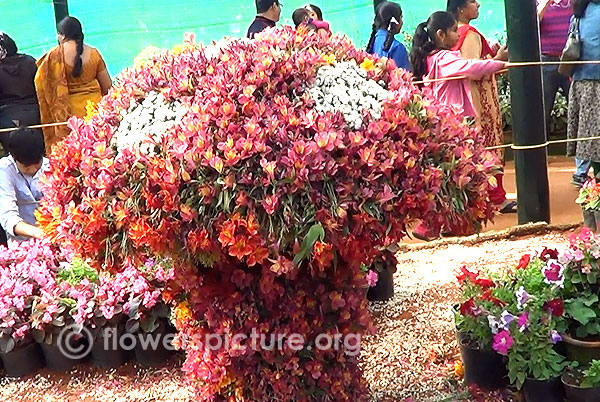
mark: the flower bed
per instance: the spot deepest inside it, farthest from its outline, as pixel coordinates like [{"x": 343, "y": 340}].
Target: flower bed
[
  {"x": 267, "y": 206},
  {"x": 524, "y": 312}
]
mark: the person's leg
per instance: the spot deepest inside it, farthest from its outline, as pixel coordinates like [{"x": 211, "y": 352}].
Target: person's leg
[
  {"x": 551, "y": 82},
  {"x": 582, "y": 167}
]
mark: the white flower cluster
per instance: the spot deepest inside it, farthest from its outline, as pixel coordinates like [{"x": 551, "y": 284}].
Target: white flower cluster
[
  {"x": 150, "y": 119},
  {"x": 344, "y": 87}
]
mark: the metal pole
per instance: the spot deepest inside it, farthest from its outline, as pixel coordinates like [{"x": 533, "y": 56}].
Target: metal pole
[
  {"x": 376, "y": 4},
  {"x": 61, "y": 10},
  {"x": 528, "y": 112}
]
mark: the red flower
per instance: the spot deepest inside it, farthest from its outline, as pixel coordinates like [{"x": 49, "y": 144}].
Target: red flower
[
  {"x": 549, "y": 254},
  {"x": 484, "y": 282},
  {"x": 468, "y": 308},
  {"x": 466, "y": 273},
  {"x": 555, "y": 307},
  {"x": 487, "y": 295},
  {"x": 524, "y": 262}
]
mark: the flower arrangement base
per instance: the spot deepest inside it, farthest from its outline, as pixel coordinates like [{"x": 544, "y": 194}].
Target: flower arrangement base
[
  {"x": 580, "y": 350},
  {"x": 23, "y": 361},
  {"x": 107, "y": 354},
  {"x": 384, "y": 289},
  {"x": 484, "y": 368},
  {"x": 149, "y": 357},
  {"x": 575, "y": 393},
  {"x": 55, "y": 358},
  {"x": 589, "y": 219},
  {"x": 544, "y": 390}
]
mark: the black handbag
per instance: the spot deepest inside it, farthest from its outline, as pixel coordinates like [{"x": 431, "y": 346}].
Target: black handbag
[{"x": 572, "y": 50}]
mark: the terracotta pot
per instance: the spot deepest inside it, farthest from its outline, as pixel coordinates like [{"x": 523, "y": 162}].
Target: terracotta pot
[
  {"x": 581, "y": 351},
  {"x": 484, "y": 368},
  {"x": 23, "y": 360},
  {"x": 575, "y": 393}
]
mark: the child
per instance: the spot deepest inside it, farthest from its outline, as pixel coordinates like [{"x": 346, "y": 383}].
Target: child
[
  {"x": 388, "y": 23},
  {"x": 301, "y": 16},
  {"x": 431, "y": 59},
  {"x": 314, "y": 12}
]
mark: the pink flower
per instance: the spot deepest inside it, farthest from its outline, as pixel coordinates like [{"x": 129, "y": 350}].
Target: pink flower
[
  {"x": 553, "y": 273},
  {"x": 502, "y": 342},
  {"x": 372, "y": 278},
  {"x": 47, "y": 318}
]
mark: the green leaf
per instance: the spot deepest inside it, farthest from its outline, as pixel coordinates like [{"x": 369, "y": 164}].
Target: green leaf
[
  {"x": 316, "y": 232},
  {"x": 578, "y": 310}
]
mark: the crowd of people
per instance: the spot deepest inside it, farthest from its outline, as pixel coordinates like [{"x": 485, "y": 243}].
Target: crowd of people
[
  {"x": 51, "y": 90},
  {"x": 62, "y": 82}
]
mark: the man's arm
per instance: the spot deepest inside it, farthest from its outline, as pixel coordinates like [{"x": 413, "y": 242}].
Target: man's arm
[
  {"x": 26, "y": 230},
  {"x": 10, "y": 220}
]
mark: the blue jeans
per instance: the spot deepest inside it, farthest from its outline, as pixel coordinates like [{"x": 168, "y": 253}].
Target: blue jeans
[
  {"x": 552, "y": 81},
  {"x": 582, "y": 167}
]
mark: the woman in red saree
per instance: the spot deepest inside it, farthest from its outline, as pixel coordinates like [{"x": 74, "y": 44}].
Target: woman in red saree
[{"x": 473, "y": 45}]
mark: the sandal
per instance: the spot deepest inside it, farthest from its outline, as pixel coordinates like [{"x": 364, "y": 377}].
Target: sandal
[{"x": 509, "y": 208}]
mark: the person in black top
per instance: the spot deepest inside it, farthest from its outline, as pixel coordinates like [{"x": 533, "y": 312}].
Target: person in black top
[
  {"x": 268, "y": 13},
  {"x": 18, "y": 100}
]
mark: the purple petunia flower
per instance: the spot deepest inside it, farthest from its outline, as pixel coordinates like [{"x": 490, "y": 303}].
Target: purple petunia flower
[
  {"x": 522, "y": 297},
  {"x": 555, "y": 336},
  {"x": 553, "y": 273},
  {"x": 523, "y": 321},
  {"x": 502, "y": 342},
  {"x": 494, "y": 323},
  {"x": 506, "y": 318}
]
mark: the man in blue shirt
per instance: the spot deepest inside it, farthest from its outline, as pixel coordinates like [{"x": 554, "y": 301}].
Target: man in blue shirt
[
  {"x": 268, "y": 13},
  {"x": 19, "y": 185}
]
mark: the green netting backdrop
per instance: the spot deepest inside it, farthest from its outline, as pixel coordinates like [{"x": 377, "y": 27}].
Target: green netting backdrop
[{"x": 121, "y": 29}]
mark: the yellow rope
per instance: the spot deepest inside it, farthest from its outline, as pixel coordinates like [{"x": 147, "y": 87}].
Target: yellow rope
[
  {"x": 543, "y": 145},
  {"x": 7, "y": 130}
]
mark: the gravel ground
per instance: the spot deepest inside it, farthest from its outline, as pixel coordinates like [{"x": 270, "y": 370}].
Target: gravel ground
[{"x": 411, "y": 359}]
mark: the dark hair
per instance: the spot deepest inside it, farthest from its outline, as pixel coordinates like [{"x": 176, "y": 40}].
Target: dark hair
[
  {"x": 317, "y": 11},
  {"x": 299, "y": 16},
  {"x": 454, "y": 6},
  {"x": 383, "y": 20},
  {"x": 70, "y": 27},
  {"x": 424, "y": 40},
  {"x": 8, "y": 47},
  {"x": 262, "y": 6},
  {"x": 579, "y": 7},
  {"x": 26, "y": 146}
]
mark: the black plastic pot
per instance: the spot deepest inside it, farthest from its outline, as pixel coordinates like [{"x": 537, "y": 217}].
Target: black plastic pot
[
  {"x": 23, "y": 360},
  {"x": 589, "y": 219},
  {"x": 544, "y": 390},
  {"x": 56, "y": 359},
  {"x": 107, "y": 353},
  {"x": 577, "y": 394},
  {"x": 484, "y": 368},
  {"x": 384, "y": 288},
  {"x": 149, "y": 356}
]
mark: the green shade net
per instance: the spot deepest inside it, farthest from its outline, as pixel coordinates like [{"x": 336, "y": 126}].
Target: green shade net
[{"x": 121, "y": 29}]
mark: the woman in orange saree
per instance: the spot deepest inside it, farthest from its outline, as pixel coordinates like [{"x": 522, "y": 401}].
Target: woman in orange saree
[{"x": 68, "y": 77}]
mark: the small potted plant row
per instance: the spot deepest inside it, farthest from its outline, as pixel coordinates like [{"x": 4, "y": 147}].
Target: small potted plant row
[
  {"x": 50, "y": 306},
  {"x": 542, "y": 318}
]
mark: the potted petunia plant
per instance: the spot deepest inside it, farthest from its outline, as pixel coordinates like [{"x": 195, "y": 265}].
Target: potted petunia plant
[
  {"x": 478, "y": 300},
  {"x": 529, "y": 326},
  {"x": 581, "y": 296}
]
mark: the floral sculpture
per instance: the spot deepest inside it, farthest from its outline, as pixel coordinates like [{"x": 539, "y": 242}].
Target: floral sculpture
[{"x": 267, "y": 206}]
